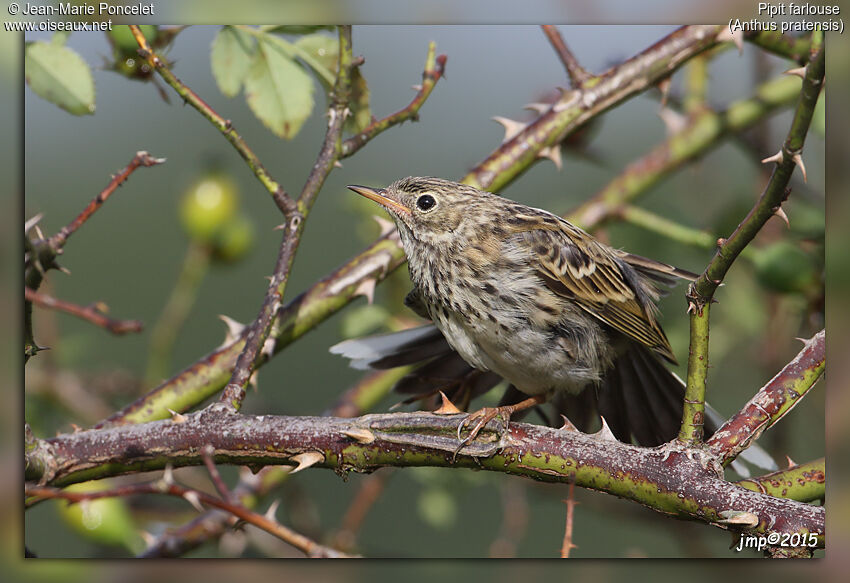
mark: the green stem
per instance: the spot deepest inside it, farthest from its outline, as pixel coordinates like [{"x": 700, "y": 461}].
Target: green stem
[
  {"x": 693, "y": 414},
  {"x": 164, "y": 333}
]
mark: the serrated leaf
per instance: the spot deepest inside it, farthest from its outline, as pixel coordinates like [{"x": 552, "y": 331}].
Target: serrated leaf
[
  {"x": 231, "y": 57},
  {"x": 321, "y": 53},
  {"x": 278, "y": 90},
  {"x": 297, "y": 28},
  {"x": 61, "y": 76},
  {"x": 361, "y": 113}
]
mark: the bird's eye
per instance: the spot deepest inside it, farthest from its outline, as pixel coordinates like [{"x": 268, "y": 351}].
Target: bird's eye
[{"x": 426, "y": 202}]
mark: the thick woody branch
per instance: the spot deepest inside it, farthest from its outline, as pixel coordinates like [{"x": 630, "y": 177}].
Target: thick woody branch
[
  {"x": 704, "y": 129},
  {"x": 675, "y": 481},
  {"x": 772, "y": 402}
]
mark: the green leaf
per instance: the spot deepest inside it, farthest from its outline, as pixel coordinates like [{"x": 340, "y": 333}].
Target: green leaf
[
  {"x": 60, "y": 37},
  {"x": 232, "y": 53},
  {"x": 60, "y": 76},
  {"x": 297, "y": 28},
  {"x": 321, "y": 53},
  {"x": 278, "y": 90}
]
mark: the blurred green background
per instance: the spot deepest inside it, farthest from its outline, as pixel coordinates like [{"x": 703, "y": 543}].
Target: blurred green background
[{"x": 129, "y": 256}]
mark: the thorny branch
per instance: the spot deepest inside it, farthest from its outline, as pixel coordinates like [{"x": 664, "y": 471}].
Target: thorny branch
[
  {"x": 41, "y": 252},
  {"x": 676, "y": 481},
  {"x": 435, "y": 66},
  {"x": 701, "y": 292},
  {"x": 258, "y": 333},
  {"x": 772, "y": 402}
]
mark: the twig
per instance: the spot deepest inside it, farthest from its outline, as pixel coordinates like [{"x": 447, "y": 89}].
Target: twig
[
  {"x": 578, "y": 76},
  {"x": 364, "y": 500},
  {"x": 772, "y": 401},
  {"x": 257, "y": 338},
  {"x": 93, "y": 313},
  {"x": 514, "y": 519},
  {"x": 434, "y": 69},
  {"x": 568, "y": 545},
  {"x": 142, "y": 158},
  {"x": 208, "y": 453},
  {"x": 309, "y": 547},
  {"x": 40, "y": 253},
  {"x": 205, "y": 378},
  {"x": 223, "y": 125},
  {"x": 701, "y": 292}
]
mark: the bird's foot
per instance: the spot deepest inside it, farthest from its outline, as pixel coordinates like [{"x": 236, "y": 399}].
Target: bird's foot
[
  {"x": 487, "y": 414},
  {"x": 481, "y": 418}
]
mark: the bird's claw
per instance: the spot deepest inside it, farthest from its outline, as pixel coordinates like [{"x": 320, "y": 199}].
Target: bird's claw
[{"x": 483, "y": 416}]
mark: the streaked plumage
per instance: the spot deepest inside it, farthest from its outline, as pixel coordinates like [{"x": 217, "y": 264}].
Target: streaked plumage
[{"x": 522, "y": 294}]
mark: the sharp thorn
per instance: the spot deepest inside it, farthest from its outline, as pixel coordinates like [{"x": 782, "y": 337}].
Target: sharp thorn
[
  {"x": 359, "y": 434},
  {"x": 192, "y": 498},
  {"x": 568, "y": 425},
  {"x": 728, "y": 35},
  {"x": 176, "y": 417},
  {"x": 447, "y": 407},
  {"x": 781, "y": 214},
  {"x": 777, "y": 157},
  {"x": 512, "y": 127},
  {"x": 305, "y": 460},
  {"x": 553, "y": 153},
  {"x": 798, "y": 160},
  {"x": 272, "y": 511},
  {"x": 605, "y": 432},
  {"x": 32, "y": 222},
  {"x": 799, "y": 72}
]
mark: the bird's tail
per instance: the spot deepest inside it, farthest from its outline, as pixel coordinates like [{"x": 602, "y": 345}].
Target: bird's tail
[{"x": 640, "y": 399}]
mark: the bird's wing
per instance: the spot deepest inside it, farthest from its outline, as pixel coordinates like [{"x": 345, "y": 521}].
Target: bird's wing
[{"x": 575, "y": 265}]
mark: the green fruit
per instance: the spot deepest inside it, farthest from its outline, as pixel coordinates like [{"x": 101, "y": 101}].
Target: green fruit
[
  {"x": 105, "y": 520},
  {"x": 124, "y": 40},
  {"x": 784, "y": 267},
  {"x": 207, "y": 206},
  {"x": 233, "y": 240}
]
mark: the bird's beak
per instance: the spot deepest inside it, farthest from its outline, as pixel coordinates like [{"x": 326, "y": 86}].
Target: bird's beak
[{"x": 379, "y": 195}]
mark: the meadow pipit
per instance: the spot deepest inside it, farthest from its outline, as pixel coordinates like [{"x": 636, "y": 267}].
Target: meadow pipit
[{"x": 522, "y": 294}]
